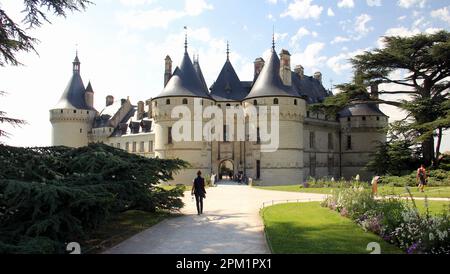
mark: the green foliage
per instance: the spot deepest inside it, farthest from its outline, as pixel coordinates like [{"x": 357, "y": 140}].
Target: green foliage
[{"x": 61, "y": 194}]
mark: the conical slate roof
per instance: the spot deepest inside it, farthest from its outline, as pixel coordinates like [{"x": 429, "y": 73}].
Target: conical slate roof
[
  {"x": 89, "y": 88},
  {"x": 199, "y": 73},
  {"x": 185, "y": 82},
  {"x": 269, "y": 83},
  {"x": 228, "y": 87},
  {"x": 73, "y": 96},
  {"x": 361, "y": 109}
]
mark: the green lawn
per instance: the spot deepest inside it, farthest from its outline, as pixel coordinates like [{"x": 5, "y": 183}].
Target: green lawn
[
  {"x": 308, "y": 228},
  {"x": 432, "y": 192},
  {"x": 121, "y": 228},
  {"x": 435, "y": 207}
]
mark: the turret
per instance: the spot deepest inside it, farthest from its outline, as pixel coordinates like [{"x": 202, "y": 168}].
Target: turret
[
  {"x": 73, "y": 116},
  {"x": 89, "y": 96}
]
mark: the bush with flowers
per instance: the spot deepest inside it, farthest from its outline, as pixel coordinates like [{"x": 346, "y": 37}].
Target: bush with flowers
[{"x": 394, "y": 220}]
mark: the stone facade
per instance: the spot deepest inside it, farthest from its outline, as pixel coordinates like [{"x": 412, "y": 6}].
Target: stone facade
[{"x": 311, "y": 144}]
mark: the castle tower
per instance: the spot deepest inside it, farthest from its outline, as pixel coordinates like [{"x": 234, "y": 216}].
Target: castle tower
[
  {"x": 185, "y": 88},
  {"x": 73, "y": 116},
  {"x": 284, "y": 166},
  {"x": 362, "y": 129}
]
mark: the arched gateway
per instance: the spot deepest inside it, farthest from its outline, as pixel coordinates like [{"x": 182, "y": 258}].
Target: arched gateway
[{"x": 226, "y": 170}]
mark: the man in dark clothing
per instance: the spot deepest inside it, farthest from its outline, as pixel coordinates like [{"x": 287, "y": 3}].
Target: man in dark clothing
[{"x": 198, "y": 189}]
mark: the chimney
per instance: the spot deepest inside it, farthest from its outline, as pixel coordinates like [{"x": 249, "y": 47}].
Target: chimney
[
  {"x": 259, "y": 64},
  {"x": 140, "y": 110},
  {"x": 148, "y": 103},
  {"x": 285, "y": 67},
  {"x": 109, "y": 100},
  {"x": 167, "y": 70},
  {"x": 318, "y": 76},
  {"x": 374, "y": 91},
  {"x": 300, "y": 71},
  {"x": 123, "y": 101}
]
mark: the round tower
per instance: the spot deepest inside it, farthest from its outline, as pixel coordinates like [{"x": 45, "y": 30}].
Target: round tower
[
  {"x": 74, "y": 114},
  {"x": 362, "y": 129},
  {"x": 284, "y": 164},
  {"x": 183, "y": 93}
]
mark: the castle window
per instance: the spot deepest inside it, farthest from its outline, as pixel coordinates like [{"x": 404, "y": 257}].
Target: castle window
[
  {"x": 127, "y": 146},
  {"x": 255, "y": 102},
  {"x": 219, "y": 106},
  {"x": 258, "y": 169},
  {"x": 330, "y": 165},
  {"x": 134, "y": 147},
  {"x": 110, "y": 130},
  {"x": 312, "y": 140},
  {"x": 258, "y": 136},
  {"x": 228, "y": 105},
  {"x": 74, "y": 111},
  {"x": 349, "y": 142},
  {"x": 169, "y": 136},
  {"x": 378, "y": 118},
  {"x": 118, "y": 145},
  {"x": 150, "y": 146},
  {"x": 308, "y": 114},
  {"x": 156, "y": 103},
  {"x": 168, "y": 102},
  {"x": 112, "y": 145},
  {"x": 141, "y": 147},
  {"x": 225, "y": 137},
  {"x": 81, "y": 130},
  {"x": 185, "y": 101},
  {"x": 330, "y": 141},
  {"x": 275, "y": 101},
  {"x": 62, "y": 111},
  {"x": 364, "y": 118},
  {"x": 201, "y": 102},
  {"x": 295, "y": 102},
  {"x": 349, "y": 119}
]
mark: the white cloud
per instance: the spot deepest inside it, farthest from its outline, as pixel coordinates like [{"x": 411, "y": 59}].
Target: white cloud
[
  {"x": 412, "y": 3},
  {"x": 374, "y": 3},
  {"x": 197, "y": 7},
  {"x": 273, "y": 2},
  {"x": 310, "y": 58},
  {"x": 135, "y": 2},
  {"x": 340, "y": 63},
  {"x": 442, "y": 14},
  {"x": 340, "y": 39},
  {"x": 301, "y": 32},
  {"x": 303, "y": 9},
  {"x": 330, "y": 12},
  {"x": 346, "y": 4},
  {"x": 361, "y": 24},
  {"x": 159, "y": 17}
]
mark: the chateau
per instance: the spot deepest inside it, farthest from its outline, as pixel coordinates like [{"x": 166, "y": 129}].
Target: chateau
[{"x": 311, "y": 144}]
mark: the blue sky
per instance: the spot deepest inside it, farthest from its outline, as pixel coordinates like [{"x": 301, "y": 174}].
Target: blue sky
[{"x": 122, "y": 45}]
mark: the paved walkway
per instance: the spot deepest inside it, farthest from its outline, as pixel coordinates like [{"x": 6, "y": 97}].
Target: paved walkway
[{"x": 230, "y": 225}]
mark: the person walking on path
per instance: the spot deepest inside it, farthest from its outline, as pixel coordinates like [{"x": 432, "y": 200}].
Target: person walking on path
[
  {"x": 422, "y": 178},
  {"x": 375, "y": 181},
  {"x": 198, "y": 189}
]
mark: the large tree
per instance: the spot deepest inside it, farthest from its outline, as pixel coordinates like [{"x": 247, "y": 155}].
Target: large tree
[
  {"x": 14, "y": 37},
  {"x": 423, "y": 61}
]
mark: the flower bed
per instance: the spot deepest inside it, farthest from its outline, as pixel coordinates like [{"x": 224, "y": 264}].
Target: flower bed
[{"x": 394, "y": 220}]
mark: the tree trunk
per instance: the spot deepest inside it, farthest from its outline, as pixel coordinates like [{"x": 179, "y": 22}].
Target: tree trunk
[
  {"x": 438, "y": 148},
  {"x": 428, "y": 151}
]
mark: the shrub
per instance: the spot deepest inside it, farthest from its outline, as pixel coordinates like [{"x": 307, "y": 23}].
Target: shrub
[
  {"x": 52, "y": 195},
  {"x": 395, "y": 221}
]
